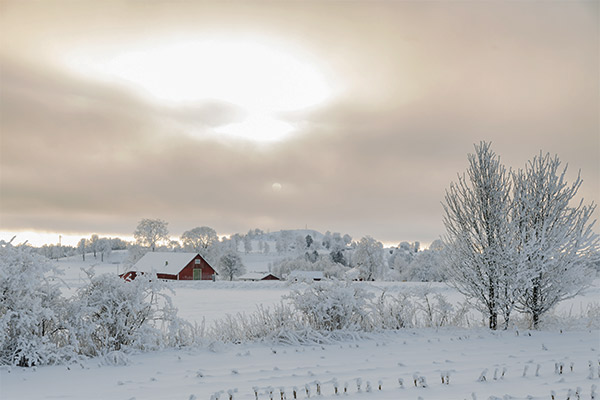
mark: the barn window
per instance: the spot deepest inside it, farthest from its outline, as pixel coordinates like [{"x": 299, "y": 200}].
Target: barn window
[{"x": 197, "y": 261}]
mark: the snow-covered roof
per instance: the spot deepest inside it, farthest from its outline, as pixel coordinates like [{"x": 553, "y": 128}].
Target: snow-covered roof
[
  {"x": 306, "y": 275},
  {"x": 352, "y": 274},
  {"x": 163, "y": 262},
  {"x": 254, "y": 276}
]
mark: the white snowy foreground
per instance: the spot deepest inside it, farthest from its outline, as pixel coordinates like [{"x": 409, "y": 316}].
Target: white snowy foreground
[
  {"x": 480, "y": 364},
  {"x": 515, "y": 366}
]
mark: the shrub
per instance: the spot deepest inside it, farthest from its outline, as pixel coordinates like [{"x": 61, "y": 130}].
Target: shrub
[
  {"x": 31, "y": 309},
  {"x": 331, "y": 307},
  {"x": 113, "y": 314}
]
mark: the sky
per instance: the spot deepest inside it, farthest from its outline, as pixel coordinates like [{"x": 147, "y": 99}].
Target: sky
[{"x": 347, "y": 116}]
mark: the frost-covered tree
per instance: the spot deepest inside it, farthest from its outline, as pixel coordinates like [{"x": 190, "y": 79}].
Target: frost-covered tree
[
  {"x": 426, "y": 266},
  {"x": 31, "y": 309},
  {"x": 230, "y": 265},
  {"x": 555, "y": 239},
  {"x": 479, "y": 234},
  {"x": 150, "y": 232},
  {"x": 347, "y": 239},
  {"x": 93, "y": 243},
  {"x": 298, "y": 244},
  {"x": 248, "y": 243},
  {"x": 326, "y": 242},
  {"x": 336, "y": 246},
  {"x": 337, "y": 256},
  {"x": 368, "y": 258},
  {"x": 118, "y": 244},
  {"x": 104, "y": 247},
  {"x": 81, "y": 247},
  {"x": 199, "y": 239}
]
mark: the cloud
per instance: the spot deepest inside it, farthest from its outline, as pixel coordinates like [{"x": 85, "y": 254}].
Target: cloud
[{"x": 419, "y": 86}]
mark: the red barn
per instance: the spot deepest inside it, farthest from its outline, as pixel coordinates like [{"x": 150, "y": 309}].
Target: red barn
[
  {"x": 174, "y": 266},
  {"x": 258, "y": 276}
]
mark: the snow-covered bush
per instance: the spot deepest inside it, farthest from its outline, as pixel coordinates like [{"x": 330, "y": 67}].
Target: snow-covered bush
[
  {"x": 112, "y": 314},
  {"x": 332, "y": 306},
  {"x": 389, "y": 312},
  {"x": 277, "y": 323},
  {"x": 434, "y": 310},
  {"x": 31, "y": 309}
]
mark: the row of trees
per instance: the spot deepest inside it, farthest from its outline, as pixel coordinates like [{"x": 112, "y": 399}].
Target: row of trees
[
  {"x": 367, "y": 260},
  {"x": 515, "y": 240}
]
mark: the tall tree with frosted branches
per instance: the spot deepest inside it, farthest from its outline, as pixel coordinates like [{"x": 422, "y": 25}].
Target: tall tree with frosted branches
[
  {"x": 150, "y": 232},
  {"x": 555, "y": 241},
  {"x": 199, "y": 239},
  {"x": 479, "y": 234}
]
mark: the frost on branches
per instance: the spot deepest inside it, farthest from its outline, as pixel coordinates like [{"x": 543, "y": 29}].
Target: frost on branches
[
  {"x": 31, "y": 309},
  {"x": 368, "y": 258},
  {"x": 556, "y": 245},
  {"x": 524, "y": 248},
  {"x": 107, "y": 316},
  {"x": 478, "y": 238},
  {"x": 328, "y": 307},
  {"x": 114, "y": 314}
]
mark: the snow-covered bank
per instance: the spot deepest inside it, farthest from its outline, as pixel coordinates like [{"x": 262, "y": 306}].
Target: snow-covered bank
[{"x": 518, "y": 365}]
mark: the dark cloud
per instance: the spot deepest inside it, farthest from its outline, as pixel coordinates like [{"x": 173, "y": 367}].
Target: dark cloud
[{"x": 422, "y": 84}]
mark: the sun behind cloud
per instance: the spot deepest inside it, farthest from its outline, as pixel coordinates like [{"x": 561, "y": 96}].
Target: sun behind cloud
[{"x": 261, "y": 77}]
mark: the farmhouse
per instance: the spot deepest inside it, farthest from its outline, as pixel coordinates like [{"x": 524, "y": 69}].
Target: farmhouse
[
  {"x": 258, "y": 276},
  {"x": 305, "y": 276},
  {"x": 173, "y": 266}
]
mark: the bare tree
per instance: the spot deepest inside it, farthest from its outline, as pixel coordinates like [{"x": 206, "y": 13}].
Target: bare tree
[
  {"x": 230, "y": 265},
  {"x": 150, "y": 232},
  {"x": 555, "y": 241},
  {"x": 478, "y": 234}
]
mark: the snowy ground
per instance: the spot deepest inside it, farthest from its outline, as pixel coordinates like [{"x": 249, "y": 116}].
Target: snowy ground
[
  {"x": 462, "y": 354},
  {"x": 528, "y": 358}
]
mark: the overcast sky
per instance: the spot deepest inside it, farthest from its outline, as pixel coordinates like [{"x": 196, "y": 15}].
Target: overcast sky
[{"x": 343, "y": 116}]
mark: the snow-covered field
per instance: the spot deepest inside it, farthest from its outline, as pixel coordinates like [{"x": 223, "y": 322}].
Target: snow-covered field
[{"x": 515, "y": 364}]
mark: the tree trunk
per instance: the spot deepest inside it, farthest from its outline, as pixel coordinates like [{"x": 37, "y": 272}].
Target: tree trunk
[
  {"x": 535, "y": 299},
  {"x": 493, "y": 320},
  {"x": 493, "y": 307}
]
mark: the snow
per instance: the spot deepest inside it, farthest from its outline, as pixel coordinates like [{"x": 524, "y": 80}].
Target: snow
[
  {"x": 306, "y": 275},
  {"x": 202, "y": 371},
  {"x": 163, "y": 262},
  {"x": 462, "y": 354}
]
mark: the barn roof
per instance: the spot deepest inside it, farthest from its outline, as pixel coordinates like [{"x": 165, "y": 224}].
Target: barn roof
[
  {"x": 305, "y": 275},
  {"x": 164, "y": 262},
  {"x": 255, "y": 276}
]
